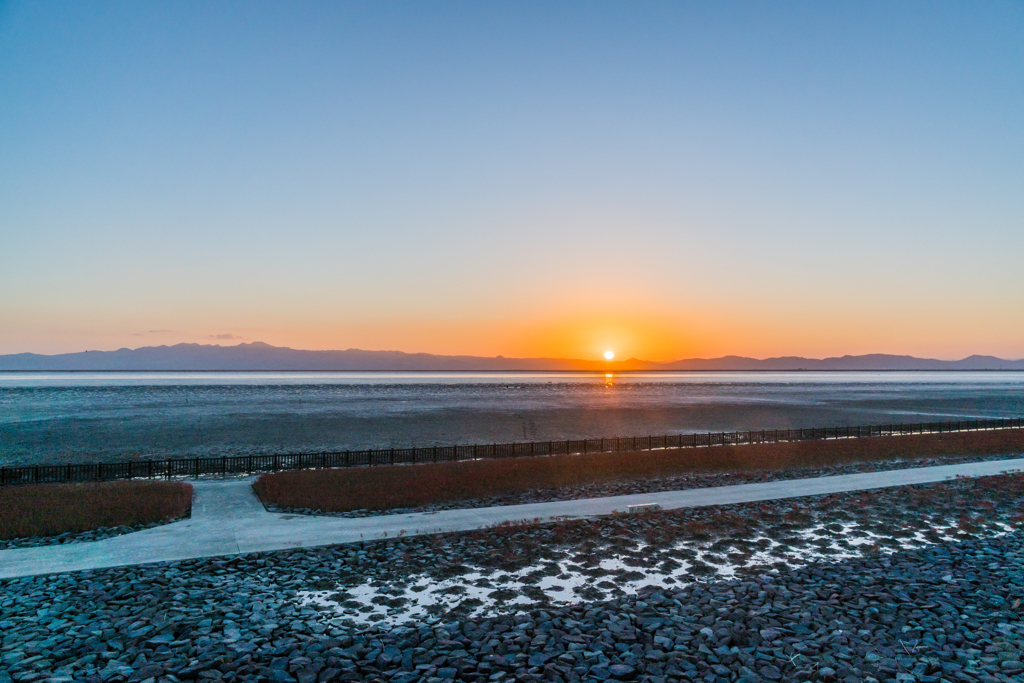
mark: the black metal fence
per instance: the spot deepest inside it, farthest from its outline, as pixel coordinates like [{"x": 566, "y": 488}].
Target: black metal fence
[{"x": 251, "y": 464}]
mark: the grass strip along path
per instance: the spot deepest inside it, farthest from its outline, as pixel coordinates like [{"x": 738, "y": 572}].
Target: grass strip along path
[
  {"x": 411, "y": 486},
  {"x": 227, "y": 519},
  {"x": 53, "y": 509}
]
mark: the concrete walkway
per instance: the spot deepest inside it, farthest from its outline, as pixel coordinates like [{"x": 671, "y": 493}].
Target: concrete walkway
[{"x": 227, "y": 519}]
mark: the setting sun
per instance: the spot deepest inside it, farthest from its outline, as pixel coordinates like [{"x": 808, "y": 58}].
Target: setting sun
[{"x": 609, "y": 354}]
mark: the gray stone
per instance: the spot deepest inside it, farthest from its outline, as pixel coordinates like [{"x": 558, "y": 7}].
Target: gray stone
[
  {"x": 622, "y": 672},
  {"x": 541, "y": 658},
  {"x": 281, "y": 676}
]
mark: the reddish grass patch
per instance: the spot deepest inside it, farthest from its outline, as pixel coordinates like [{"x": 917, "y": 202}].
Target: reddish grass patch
[
  {"x": 400, "y": 486},
  {"x": 53, "y": 509}
]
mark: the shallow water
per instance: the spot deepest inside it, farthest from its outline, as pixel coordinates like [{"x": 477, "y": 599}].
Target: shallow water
[{"x": 58, "y": 417}]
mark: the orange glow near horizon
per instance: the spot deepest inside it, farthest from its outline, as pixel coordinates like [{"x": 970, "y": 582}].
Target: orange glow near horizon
[{"x": 660, "y": 335}]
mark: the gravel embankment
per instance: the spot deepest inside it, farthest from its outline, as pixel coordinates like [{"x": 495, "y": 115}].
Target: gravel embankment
[
  {"x": 943, "y": 610},
  {"x": 83, "y": 537}
]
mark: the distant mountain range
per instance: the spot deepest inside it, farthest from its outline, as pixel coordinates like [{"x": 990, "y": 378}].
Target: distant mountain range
[{"x": 258, "y": 356}]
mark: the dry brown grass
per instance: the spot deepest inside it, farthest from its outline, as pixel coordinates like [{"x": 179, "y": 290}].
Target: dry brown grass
[
  {"x": 383, "y": 488},
  {"x": 53, "y": 509}
]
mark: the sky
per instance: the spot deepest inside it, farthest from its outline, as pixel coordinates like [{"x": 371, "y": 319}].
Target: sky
[{"x": 667, "y": 180}]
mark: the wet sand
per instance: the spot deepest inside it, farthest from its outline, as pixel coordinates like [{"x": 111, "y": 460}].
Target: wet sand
[{"x": 86, "y": 423}]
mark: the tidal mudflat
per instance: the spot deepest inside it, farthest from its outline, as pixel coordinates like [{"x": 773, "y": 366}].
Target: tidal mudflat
[
  {"x": 913, "y": 583},
  {"x": 83, "y": 417}
]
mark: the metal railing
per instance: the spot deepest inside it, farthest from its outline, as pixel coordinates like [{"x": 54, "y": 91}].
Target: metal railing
[{"x": 252, "y": 464}]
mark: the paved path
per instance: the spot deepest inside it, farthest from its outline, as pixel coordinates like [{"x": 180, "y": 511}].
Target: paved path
[{"x": 227, "y": 519}]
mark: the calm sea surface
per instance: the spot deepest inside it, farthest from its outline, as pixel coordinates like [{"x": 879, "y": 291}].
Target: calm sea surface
[{"x": 67, "y": 417}]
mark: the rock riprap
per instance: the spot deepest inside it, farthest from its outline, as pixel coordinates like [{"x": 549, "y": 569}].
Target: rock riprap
[
  {"x": 925, "y": 607},
  {"x": 82, "y": 537}
]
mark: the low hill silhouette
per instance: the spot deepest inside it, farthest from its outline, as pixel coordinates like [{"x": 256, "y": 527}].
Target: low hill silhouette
[{"x": 258, "y": 356}]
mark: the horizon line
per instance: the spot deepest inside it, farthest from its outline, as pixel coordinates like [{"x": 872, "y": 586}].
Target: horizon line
[{"x": 603, "y": 361}]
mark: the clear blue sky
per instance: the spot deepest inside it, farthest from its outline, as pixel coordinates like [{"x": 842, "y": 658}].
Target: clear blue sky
[{"x": 522, "y": 178}]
